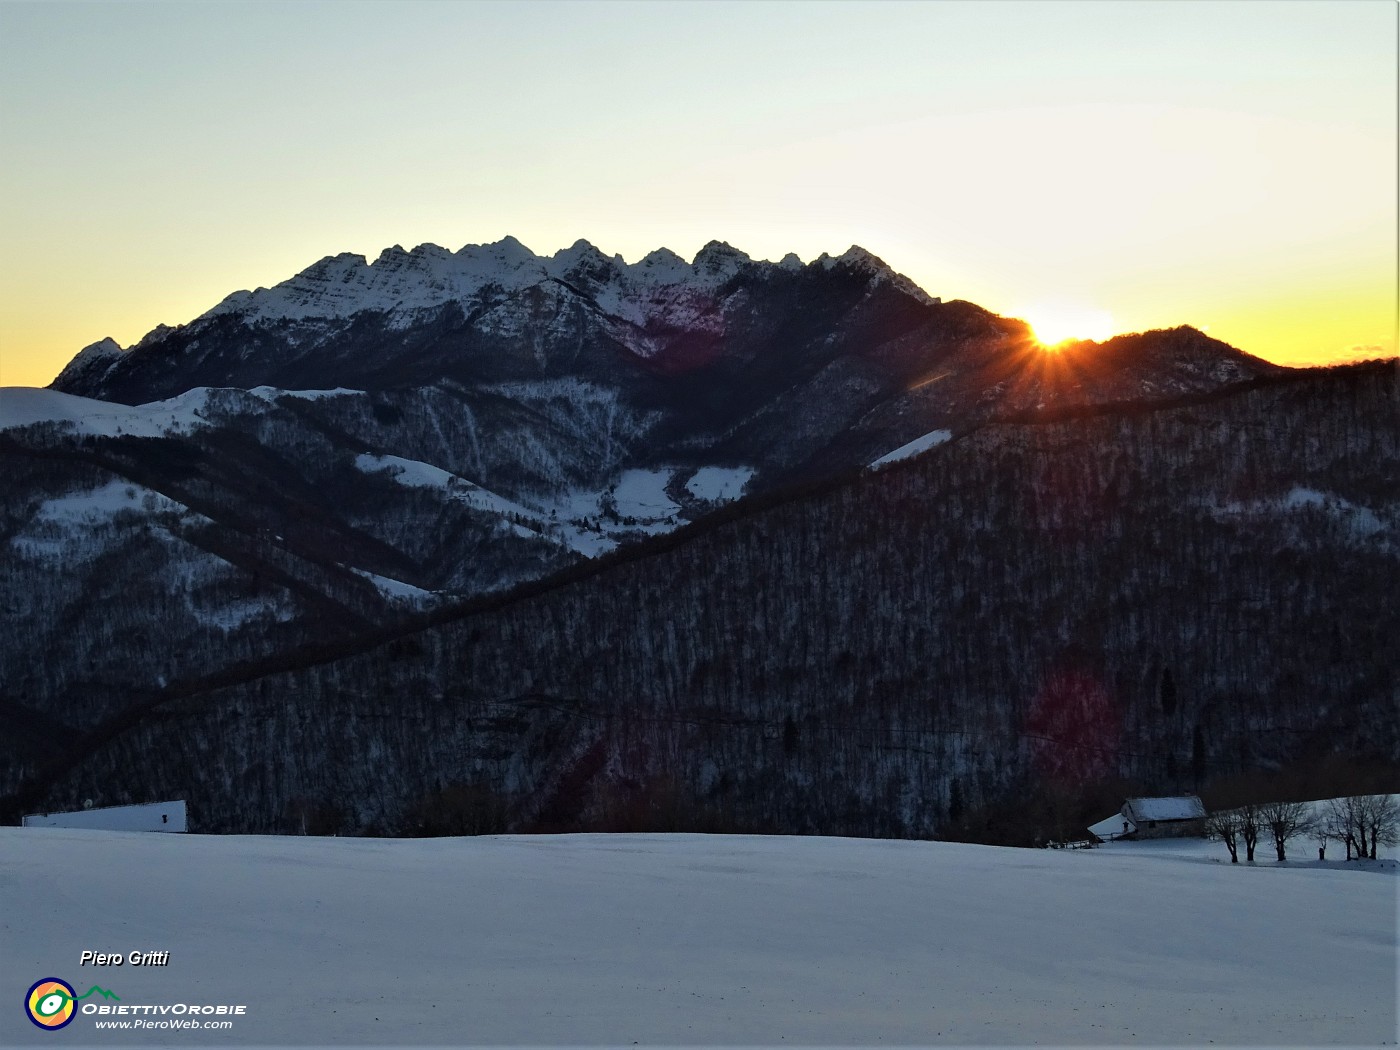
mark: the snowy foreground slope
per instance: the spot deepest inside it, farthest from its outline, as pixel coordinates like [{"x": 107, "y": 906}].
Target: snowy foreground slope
[{"x": 686, "y": 939}]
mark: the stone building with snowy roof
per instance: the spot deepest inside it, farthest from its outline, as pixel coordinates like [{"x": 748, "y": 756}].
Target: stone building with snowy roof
[{"x": 1176, "y": 816}]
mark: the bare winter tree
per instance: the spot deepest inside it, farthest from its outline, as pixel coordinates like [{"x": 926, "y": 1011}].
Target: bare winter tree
[
  {"x": 1337, "y": 818},
  {"x": 1225, "y": 825},
  {"x": 1378, "y": 817},
  {"x": 1364, "y": 822},
  {"x": 1285, "y": 820}
]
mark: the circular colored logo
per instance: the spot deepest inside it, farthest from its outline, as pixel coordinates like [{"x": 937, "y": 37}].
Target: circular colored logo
[{"x": 49, "y": 1003}]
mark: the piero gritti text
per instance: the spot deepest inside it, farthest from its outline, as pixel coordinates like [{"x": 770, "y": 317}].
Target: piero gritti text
[{"x": 133, "y": 958}]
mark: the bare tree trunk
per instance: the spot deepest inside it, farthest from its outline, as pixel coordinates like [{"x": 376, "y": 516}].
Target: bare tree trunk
[
  {"x": 1226, "y": 824},
  {"x": 1286, "y": 820},
  {"x": 1249, "y": 829}
]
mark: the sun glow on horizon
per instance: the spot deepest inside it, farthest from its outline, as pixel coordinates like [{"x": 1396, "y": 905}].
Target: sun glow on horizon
[
  {"x": 1057, "y": 323},
  {"x": 1229, "y": 164}
]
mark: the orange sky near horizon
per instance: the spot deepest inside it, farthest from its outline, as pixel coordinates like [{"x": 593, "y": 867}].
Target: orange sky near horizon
[{"x": 1226, "y": 165}]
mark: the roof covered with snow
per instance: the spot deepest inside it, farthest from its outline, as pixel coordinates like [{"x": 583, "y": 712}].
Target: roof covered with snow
[
  {"x": 1176, "y": 807},
  {"x": 1109, "y": 826}
]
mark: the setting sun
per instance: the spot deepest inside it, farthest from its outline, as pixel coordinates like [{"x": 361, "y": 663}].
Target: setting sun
[{"x": 1056, "y": 324}]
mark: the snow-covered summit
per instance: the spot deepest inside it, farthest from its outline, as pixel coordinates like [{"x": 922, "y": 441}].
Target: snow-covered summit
[
  {"x": 429, "y": 276},
  {"x": 91, "y": 360},
  {"x": 103, "y": 348},
  {"x": 857, "y": 258}
]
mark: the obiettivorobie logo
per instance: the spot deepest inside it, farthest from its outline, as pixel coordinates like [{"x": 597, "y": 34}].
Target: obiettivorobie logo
[{"x": 52, "y": 1004}]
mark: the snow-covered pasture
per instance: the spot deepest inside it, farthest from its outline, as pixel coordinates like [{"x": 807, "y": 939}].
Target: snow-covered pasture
[{"x": 686, "y": 939}]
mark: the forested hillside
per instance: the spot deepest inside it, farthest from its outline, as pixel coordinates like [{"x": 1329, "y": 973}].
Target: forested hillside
[{"x": 1158, "y": 594}]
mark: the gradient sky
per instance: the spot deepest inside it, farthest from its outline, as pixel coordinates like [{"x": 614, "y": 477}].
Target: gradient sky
[{"x": 1228, "y": 165}]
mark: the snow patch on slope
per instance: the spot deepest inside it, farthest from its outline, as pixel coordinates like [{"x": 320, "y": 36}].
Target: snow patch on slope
[
  {"x": 1362, "y": 520},
  {"x": 77, "y": 526},
  {"x": 231, "y": 615},
  {"x": 272, "y": 393},
  {"x": 913, "y": 448},
  {"x": 412, "y": 473},
  {"x": 1359, "y": 521},
  {"x": 105, "y": 502},
  {"x": 641, "y": 495},
  {"x": 586, "y": 520},
  {"x": 396, "y": 590},
  {"x": 716, "y": 484}
]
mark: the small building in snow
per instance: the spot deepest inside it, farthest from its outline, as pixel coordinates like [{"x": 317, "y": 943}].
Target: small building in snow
[
  {"x": 1176, "y": 816},
  {"x": 152, "y": 816}
]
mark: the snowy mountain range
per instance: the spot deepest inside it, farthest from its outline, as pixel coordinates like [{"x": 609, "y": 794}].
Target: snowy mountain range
[
  {"x": 577, "y": 400},
  {"x": 539, "y": 409},
  {"x": 713, "y": 340},
  {"x": 366, "y": 442}
]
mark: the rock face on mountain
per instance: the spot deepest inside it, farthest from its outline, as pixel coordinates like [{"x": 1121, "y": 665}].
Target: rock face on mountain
[{"x": 305, "y": 465}]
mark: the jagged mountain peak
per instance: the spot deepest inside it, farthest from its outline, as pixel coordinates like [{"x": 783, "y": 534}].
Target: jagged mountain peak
[
  {"x": 156, "y": 334},
  {"x": 342, "y": 262},
  {"x": 581, "y": 255},
  {"x": 104, "y": 346},
  {"x": 510, "y": 247},
  {"x": 662, "y": 266},
  {"x": 857, "y": 258},
  {"x": 507, "y": 251},
  {"x": 91, "y": 362},
  {"x": 719, "y": 255},
  {"x": 428, "y": 250},
  {"x": 662, "y": 257},
  {"x": 855, "y": 255}
]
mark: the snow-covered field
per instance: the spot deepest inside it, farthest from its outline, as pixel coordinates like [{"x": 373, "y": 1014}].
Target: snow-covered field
[
  {"x": 719, "y": 483},
  {"x": 22, "y": 406},
  {"x": 687, "y": 939}
]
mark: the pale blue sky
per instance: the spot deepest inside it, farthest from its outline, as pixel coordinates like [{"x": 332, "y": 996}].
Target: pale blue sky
[{"x": 1213, "y": 163}]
